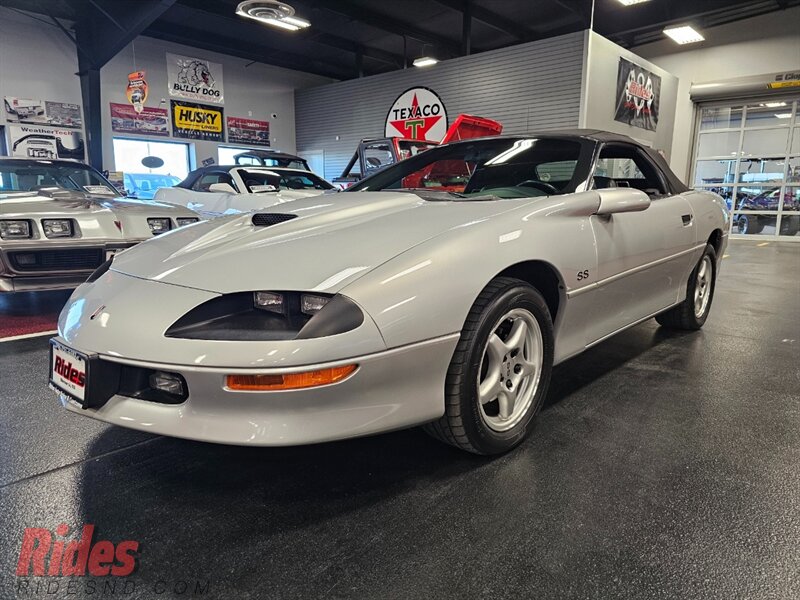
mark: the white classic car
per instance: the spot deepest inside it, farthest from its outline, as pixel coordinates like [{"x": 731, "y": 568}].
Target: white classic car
[
  {"x": 439, "y": 291},
  {"x": 61, "y": 219},
  {"x": 223, "y": 190}
]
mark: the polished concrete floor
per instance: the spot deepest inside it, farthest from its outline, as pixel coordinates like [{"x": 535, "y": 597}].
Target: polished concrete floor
[{"x": 664, "y": 465}]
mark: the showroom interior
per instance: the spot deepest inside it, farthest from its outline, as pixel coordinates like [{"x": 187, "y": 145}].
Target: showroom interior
[{"x": 571, "y": 377}]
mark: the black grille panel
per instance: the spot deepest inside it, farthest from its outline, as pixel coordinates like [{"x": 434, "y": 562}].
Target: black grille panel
[
  {"x": 267, "y": 219},
  {"x": 76, "y": 259}
]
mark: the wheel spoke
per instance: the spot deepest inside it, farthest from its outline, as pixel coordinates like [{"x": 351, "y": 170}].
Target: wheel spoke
[
  {"x": 495, "y": 351},
  {"x": 506, "y": 404},
  {"x": 528, "y": 367},
  {"x": 490, "y": 387},
  {"x": 517, "y": 336}
]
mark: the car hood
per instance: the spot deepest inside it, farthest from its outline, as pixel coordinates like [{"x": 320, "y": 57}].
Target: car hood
[
  {"x": 332, "y": 240},
  {"x": 64, "y": 203}
]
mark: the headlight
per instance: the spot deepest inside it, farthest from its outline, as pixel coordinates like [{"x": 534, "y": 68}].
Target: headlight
[
  {"x": 159, "y": 224},
  {"x": 186, "y": 220},
  {"x": 262, "y": 316},
  {"x": 57, "y": 228},
  {"x": 15, "y": 230}
]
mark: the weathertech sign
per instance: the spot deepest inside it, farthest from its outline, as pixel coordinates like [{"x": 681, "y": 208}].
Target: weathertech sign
[
  {"x": 417, "y": 114},
  {"x": 197, "y": 121},
  {"x": 638, "y": 95}
]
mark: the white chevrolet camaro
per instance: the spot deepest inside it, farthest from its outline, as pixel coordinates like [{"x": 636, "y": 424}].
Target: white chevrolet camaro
[{"x": 439, "y": 291}]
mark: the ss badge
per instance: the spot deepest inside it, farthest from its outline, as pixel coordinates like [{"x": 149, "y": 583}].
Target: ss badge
[{"x": 583, "y": 275}]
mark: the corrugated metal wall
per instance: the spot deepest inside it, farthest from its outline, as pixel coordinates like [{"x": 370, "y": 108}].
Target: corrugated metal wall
[{"x": 530, "y": 86}]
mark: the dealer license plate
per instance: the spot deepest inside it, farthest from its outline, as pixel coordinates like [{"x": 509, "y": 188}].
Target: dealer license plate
[{"x": 68, "y": 371}]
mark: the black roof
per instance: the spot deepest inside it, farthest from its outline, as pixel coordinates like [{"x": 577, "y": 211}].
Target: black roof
[{"x": 263, "y": 153}]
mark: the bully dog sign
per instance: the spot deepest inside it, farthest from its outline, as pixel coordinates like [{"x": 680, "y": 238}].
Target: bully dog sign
[
  {"x": 195, "y": 79},
  {"x": 638, "y": 96}
]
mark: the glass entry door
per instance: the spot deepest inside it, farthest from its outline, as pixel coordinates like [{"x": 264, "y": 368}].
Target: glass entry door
[{"x": 749, "y": 153}]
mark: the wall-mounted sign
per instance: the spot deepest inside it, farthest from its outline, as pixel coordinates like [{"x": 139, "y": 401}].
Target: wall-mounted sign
[
  {"x": 248, "y": 131},
  {"x": 418, "y": 114},
  {"x": 194, "y": 79},
  {"x": 638, "y": 96},
  {"x": 44, "y": 112},
  {"x": 151, "y": 121},
  {"x": 197, "y": 121},
  {"x": 137, "y": 90},
  {"x": 35, "y": 141}
]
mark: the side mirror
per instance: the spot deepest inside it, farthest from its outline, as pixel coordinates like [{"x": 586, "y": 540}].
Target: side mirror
[
  {"x": 622, "y": 200},
  {"x": 221, "y": 188}
]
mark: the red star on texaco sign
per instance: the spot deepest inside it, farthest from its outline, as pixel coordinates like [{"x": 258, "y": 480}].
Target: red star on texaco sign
[{"x": 416, "y": 126}]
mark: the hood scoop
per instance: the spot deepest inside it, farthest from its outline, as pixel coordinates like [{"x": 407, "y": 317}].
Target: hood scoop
[
  {"x": 267, "y": 219},
  {"x": 57, "y": 193}
]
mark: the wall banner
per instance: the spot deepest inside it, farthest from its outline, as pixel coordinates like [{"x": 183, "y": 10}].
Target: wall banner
[
  {"x": 417, "y": 114},
  {"x": 197, "y": 121},
  {"x": 42, "y": 112},
  {"x": 638, "y": 96},
  {"x": 150, "y": 121},
  {"x": 36, "y": 141},
  {"x": 136, "y": 91},
  {"x": 248, "y": 131},
  {"x": 194, "y": 79}
]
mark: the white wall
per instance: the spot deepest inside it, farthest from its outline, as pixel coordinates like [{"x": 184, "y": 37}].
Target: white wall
[
  {"x": 765, "y": 44},
  {"x": 257, "y": 91},
  {"x": 600, "y": 103},
  {"x": 36, "y": 61}
]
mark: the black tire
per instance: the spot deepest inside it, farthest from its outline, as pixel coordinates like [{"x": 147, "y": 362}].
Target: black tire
[
  {"x": 749, "y": 224},
  {"x": 683, "y": 316},
  {"x": 790, "y": 225},
  {"x": 464, "y": 425}
]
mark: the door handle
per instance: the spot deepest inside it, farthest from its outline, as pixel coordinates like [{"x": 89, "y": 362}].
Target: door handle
[{"x": 687, "y": 220}]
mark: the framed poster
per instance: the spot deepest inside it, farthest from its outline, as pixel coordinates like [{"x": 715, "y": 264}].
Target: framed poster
[
  {"x": 248, "y": 131},
  {"x": 197, "y": 121},
  {"x": 42, "y": 112},
  {"x": 151, "y": 121},
  {"x": 638, "y": 96},
  {"x": 37, "y": 141}
]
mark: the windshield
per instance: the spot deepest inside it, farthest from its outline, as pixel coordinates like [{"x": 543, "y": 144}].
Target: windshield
[
  {"x": 27, "y": 176},
  {"x": 255, "y": 181},
  {"x": 502, "y": 167}
]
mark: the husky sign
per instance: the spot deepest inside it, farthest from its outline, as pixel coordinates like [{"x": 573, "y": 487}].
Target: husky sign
[
  {"x": 197, "y": 121},
  {"x": 638, "y": 96},
  {"x": 417, "y": 114},
  {"x": 194, "y": 79}
]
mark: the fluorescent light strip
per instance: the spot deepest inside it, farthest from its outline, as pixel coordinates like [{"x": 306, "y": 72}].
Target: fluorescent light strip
[
  {"x": 783, "y": 116},
  {"x": 631, "y": 2},
  {"x": 684, "y": 34},
  {"x": 425, "y": 61}
]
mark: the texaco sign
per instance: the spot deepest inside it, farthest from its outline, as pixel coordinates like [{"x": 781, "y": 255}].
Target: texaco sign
[{"x": 419, "y": 114}]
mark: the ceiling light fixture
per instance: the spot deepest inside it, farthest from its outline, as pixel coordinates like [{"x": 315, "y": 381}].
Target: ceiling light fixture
[
  {"x": 272, "y": 12},
  {"x": 631, "y": 2},
  {"x": 684, "y": 34},
  {"x": 784, "y": 115},
  {"x": 425, "y": 61},
  {"x": 773, "y": 104}
]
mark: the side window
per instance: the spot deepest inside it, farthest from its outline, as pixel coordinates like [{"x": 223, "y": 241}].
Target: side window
[
  {"x": 204, "y": 183},
  {"x": 626, "y": 166},
  {"x": 377, "y": 156}
]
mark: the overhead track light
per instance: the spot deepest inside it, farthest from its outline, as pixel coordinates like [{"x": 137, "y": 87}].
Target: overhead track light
[
  {"x": 631, "y": 2},
  {"x": 272, "y": 12}
]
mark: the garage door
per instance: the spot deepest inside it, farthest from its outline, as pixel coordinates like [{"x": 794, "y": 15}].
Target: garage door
[{"x": 749, "y": 153}]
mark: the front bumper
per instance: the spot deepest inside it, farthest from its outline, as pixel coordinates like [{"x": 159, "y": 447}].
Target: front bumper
[
  {"x": 14, "y": 279},
  {"x": 391, "y": 390}
]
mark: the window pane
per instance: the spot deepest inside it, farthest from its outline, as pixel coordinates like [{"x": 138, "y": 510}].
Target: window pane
[
  {"x": 796, "y": 140},
  {"x": 721, "y": 118},
  {"x": 226, "y": 154},
  {"x": 758, "y": 197},
  {"x": 790, "y": 224},
  {"x": 766, "y": 116},
  {"x": 718, "y": 144},
  {"x": 750, "y": 224},
  {"x": 142, "y": 182},
  {"x": 761, "y": 170},
  {"x": 765, "y": 142},
  {"x": 714, "y": 171},
  {"x": 791, "y": 198}
]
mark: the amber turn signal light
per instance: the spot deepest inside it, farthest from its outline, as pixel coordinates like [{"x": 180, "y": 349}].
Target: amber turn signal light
[{"x": 289, "y": 381}]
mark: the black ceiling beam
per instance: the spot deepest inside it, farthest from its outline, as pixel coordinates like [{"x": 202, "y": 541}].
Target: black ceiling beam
[
  {"x": 312, "y": 34},
  {"x": 255, "y": 52},
  {"x": 582, "y": 9},
  {"x": 388, "y": 24},
  {"x": 493, "y": 20},
  {"x": 94, "y": 33}
]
